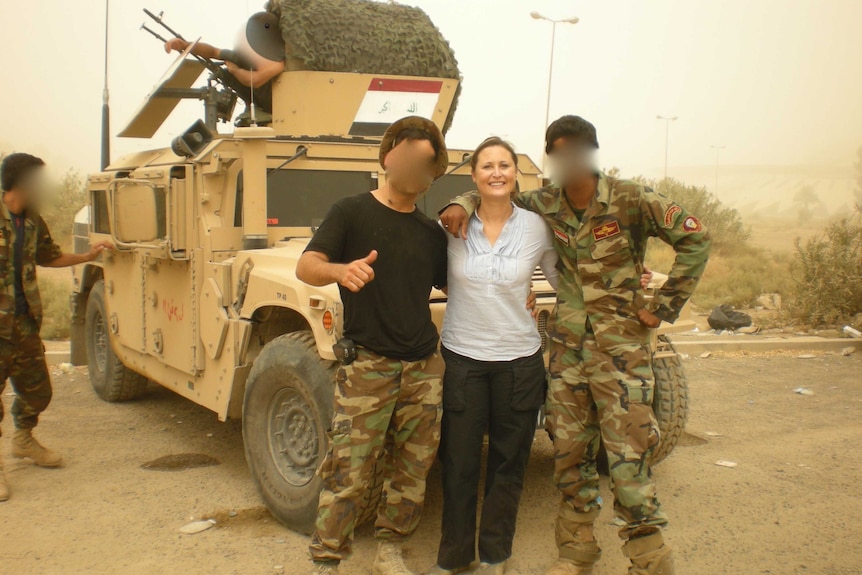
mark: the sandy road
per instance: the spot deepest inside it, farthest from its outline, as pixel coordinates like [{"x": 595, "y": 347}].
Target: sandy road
[{"x": 792, "y": 506}]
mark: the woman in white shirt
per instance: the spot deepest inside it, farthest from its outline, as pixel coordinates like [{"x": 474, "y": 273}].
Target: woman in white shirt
[{"x": 495, "y": 373}]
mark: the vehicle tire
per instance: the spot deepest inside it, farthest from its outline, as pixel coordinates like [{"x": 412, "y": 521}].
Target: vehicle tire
[
  {"x": 111, "y": 380},
  {"x": 287, "y": 409},
  {"x": 671, "y": 401}
]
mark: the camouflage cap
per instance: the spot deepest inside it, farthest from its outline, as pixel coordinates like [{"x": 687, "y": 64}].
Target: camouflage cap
[{"x": 419, "y": 123}]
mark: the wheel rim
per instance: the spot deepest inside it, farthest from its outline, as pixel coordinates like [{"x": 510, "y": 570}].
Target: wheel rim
[
  {"x": 100, "y": 341},
  {"x": 294, "y": 440}
]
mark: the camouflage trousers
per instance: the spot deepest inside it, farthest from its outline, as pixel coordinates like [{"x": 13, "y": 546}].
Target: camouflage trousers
[
  {"x": 387, "y": 412},
  {"x": 22, "y": 361},
  {"x": 603, "y": 393}
]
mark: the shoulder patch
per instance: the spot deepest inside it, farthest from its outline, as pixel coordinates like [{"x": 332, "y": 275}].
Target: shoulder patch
[
  {"x": 670, "y": 216},
  {"x": 692, "y": 224},
  {"x": 606, "y": 231}
]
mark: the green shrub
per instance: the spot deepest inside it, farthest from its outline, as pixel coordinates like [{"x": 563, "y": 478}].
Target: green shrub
[
  {"x": 56, "y": 314},
  {"x": 827, "y": 271}
]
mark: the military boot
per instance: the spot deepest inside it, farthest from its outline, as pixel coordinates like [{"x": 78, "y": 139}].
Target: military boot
[
  {"x": 649, "y": 555},
  {"x": 25, "y": 445},
  {"x": 389, "y": 560},
  {"x": 4, "y": 488},
  {"x": 579, "y": 550},
  {"x": 491, "y": 568}
]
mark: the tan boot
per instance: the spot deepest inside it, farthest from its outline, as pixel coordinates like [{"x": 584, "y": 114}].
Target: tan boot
[
  {"x": 389, "y": 560},
  {"x": 25, "y": 445},
  {"x": 649, "y": 555},
  {"x": 4, "y": 488},
  {"x": 579, "y": 550}
]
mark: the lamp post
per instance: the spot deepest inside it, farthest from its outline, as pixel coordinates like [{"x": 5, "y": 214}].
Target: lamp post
[
  {"x": 718, "y": 150},
  {"x": 667, "y": 121},
  {"x": 572, "y": 20}
]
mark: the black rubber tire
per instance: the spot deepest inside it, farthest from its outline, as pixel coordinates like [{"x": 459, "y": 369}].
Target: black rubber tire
[
  {"x": 111, "y": 380},
  {"x": 670, "y": 403},
  {"x": 287, "y": 409}
]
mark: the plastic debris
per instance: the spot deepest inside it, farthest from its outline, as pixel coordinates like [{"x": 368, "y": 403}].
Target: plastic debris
[
  {"x": 723, "y": 463},
  {"x": 714, "y": 434},
  {"x": 197, "y": 526},
  {"x": 705, "y": 354},
  {"x": 66, "y": 367},
  {"x": 852, "y": 332},
  {"x": 803, "y": 391},
  {"x": 806, "y": 356}
]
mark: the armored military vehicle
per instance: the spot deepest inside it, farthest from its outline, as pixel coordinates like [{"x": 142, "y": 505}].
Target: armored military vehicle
[{"x": 200, "y": 294}]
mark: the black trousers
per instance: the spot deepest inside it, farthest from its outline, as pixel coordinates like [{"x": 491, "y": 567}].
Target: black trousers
[{"x": 503, "y": 399}]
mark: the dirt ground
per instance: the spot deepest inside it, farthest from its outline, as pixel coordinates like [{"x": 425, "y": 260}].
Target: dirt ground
[{"x": 792, "y": 506}]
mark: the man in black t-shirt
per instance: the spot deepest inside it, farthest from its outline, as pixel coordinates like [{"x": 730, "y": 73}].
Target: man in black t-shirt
[{"x": 385, "y": 255}]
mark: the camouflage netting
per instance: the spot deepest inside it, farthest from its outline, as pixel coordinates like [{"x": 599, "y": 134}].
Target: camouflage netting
[{"x": 366, "y": 37}]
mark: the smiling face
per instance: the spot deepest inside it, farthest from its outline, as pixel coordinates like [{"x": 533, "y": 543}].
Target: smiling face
[{"x": 495, "y": 172}]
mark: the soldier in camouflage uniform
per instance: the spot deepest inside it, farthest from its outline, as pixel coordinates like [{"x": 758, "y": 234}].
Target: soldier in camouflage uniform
[
  {"x": 385, "y": 255},
  {"x": 601, "y": 374},
  {"x": 25, "y": 242}
]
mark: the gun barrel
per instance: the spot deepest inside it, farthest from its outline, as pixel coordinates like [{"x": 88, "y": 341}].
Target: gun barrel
[
  {"x": 161, "y": 23},
  {"x": 153, "y": 32}
]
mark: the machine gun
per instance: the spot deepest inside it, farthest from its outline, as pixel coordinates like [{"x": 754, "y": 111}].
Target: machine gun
[{"x": 219, "y": 95}]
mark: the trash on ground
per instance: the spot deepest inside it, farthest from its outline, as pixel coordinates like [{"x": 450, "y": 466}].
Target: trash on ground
[
  {"x": 848, "y": 351},
  {"x": 197, "y": 526},
  {"x": 714, "y": 434},
  {"x": 725, "y": 317},
  {"x": 852, "y": 332},
  {"x": 723, "y": 463},
  {"x": 705, "y": 354},
  {"x": 806, "y": 356},
  {"x": 66, "y": 367},
  {"x": 803, "y": 391},
  {"x": 750, "y": 330}
]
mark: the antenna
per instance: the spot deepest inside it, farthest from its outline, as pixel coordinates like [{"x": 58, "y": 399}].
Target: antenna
[{"x": 106, "y": 108}]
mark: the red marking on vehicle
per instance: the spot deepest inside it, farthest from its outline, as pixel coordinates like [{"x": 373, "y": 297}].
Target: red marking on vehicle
[
  {"x": 395, "y": 85},
  {"x": 606, "y": 231},
  {"x": 173, "y": 311},
  {"x": 272, "y": 221}
]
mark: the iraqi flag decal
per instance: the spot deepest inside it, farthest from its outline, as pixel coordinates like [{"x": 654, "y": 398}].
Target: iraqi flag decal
[{"x": 388, "y": 100}]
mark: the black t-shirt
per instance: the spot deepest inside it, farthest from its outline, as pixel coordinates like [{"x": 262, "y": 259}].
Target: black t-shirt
[
  {"x": 391, "y": 315},
  {"x": 21, "y": 305}
]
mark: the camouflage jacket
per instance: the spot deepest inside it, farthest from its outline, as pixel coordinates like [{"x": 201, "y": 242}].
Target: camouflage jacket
[
  {"x": 39, "y": 249},
  {"x": 601, "y": 259}
]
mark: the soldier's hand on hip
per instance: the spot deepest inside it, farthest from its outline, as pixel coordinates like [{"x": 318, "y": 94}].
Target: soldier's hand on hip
[
  {"x": 648, "y": 319},
  {"x": 531, "y": 304},
  {"x": 454, "y": 219},
  {"x": 358, "y": 273},
  {"x": 646, "y": 277}
]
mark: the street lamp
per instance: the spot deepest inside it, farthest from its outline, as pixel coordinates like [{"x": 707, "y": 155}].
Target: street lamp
[
  {"x": 572, "y": 20},
  {"x": 667, "y": 121},
  {"x": 718, "y": 150}
]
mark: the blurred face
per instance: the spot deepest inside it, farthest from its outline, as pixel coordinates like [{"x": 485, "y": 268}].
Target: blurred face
[
  {"x": 495, "y": 173},
  {"x": 35, "y": 188},
  {"x": 411, "y": 166},
  {"x": 571, "y": 161}
]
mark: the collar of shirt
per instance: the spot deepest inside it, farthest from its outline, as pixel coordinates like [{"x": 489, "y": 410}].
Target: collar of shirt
[
  {"x": 560, "y": 207},
  {"x": 507, "y": 243}
]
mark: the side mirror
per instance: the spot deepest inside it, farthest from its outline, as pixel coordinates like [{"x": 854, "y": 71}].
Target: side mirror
[{"x": 135, "y": 213}]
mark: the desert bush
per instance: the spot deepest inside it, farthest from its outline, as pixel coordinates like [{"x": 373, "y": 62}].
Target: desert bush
[
  {"x": 70, "y": 196},
  {"x": 738, "y": 278},
  {"x": 56, "y": 313},
  {"x": 827, "y": 272}
]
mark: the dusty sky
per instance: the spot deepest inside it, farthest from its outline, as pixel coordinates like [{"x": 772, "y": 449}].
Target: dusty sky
[{"x": 779, "y": 82}]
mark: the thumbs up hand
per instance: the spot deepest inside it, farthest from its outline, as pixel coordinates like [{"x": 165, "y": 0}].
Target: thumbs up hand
[{"x": 358, "y": 273}]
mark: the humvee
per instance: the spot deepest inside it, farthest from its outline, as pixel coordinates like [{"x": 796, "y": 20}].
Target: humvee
[{"x": 200, "y": 295}]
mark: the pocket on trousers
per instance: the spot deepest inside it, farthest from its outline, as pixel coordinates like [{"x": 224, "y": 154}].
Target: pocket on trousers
[
  {"x": 454, "y": 382},
  {"x": 529, "y": 383}
]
